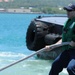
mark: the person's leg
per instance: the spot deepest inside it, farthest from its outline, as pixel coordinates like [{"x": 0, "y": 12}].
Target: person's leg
[
  {"x": 59, "y": 63},
  {"x": 71, "y": 67}
]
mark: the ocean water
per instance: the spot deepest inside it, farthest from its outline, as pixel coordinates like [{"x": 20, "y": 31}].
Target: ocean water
[{"x": 13, "y": 29}]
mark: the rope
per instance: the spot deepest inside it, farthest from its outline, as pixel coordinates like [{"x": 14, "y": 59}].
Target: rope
[{"x": 41, "y": 50}]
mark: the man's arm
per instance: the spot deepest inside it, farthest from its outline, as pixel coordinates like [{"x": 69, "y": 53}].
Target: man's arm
[
  {"x": 73, "y": 38},
  {"x": 72, "y": 43},
  {"x": 59, "y": 42},
  {"x": 48, "y": 46}
]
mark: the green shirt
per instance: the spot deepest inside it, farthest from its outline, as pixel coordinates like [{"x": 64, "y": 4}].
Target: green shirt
[{"x": 68, "y": 32}]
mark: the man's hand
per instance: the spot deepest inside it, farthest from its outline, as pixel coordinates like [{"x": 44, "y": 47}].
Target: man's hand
[
  {"x": 47, "y": 48},
  {"x": 72, "y": 43}
]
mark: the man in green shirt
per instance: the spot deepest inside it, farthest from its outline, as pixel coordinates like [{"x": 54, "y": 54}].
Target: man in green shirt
[{"x": 67, "y": 58}]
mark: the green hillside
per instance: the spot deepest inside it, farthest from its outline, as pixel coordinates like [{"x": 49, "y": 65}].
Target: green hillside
[{"x": 46, "y": 6}]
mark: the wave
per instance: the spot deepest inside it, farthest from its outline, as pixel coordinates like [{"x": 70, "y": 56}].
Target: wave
[
  {"x": 11, "y": 54},
  {"x": 9, "y": 57}
]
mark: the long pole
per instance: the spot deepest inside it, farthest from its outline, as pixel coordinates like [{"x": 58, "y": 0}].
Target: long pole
[{"x": 41, "y": 50}]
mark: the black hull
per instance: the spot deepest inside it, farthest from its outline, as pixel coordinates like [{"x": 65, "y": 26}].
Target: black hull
[{"x": 44, "y": 31}]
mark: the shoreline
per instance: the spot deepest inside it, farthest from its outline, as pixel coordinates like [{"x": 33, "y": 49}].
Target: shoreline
[{"x": 22, "y": 12}]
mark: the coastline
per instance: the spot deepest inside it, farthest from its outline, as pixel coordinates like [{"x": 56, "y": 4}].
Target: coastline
[{"x": 22, "y": 12}]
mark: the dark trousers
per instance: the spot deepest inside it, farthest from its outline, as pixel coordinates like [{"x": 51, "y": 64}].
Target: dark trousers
[{"x": 65, "y": 60}]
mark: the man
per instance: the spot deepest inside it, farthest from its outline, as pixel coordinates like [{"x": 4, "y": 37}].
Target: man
[{"x": 67, "y": 58}]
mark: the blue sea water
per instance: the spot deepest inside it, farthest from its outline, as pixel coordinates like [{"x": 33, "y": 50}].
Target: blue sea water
[{"x": 13, "y": 28}]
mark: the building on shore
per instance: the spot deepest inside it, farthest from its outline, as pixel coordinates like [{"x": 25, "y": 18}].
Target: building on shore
[
  {"x": 6, "y": 0},
  {"x": 19, "y": 10},
  {"x": 2, "y": 10}
]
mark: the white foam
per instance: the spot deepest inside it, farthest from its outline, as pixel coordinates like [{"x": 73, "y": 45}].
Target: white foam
[
  {"x": 25, "y": 65},
  {"x": 40, "y": 74},
  {"x": 65, "y": 71},
  {"x": 48, "y": 67},
  {"x": 11, "y": 54}
]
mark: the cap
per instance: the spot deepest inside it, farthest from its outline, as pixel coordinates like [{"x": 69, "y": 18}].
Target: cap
[{"x": 70, "y": 7}]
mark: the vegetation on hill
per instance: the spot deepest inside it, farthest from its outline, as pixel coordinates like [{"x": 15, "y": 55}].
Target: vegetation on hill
[{"x": 45, "y": 6}]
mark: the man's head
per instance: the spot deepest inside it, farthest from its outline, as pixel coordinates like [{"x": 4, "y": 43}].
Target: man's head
[
  {"x": 70, "y": 10},
  {"x": 70, "y": 7}
]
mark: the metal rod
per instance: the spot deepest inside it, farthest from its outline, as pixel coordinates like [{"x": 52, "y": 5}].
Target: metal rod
[{"x": 41, "y": 50}]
